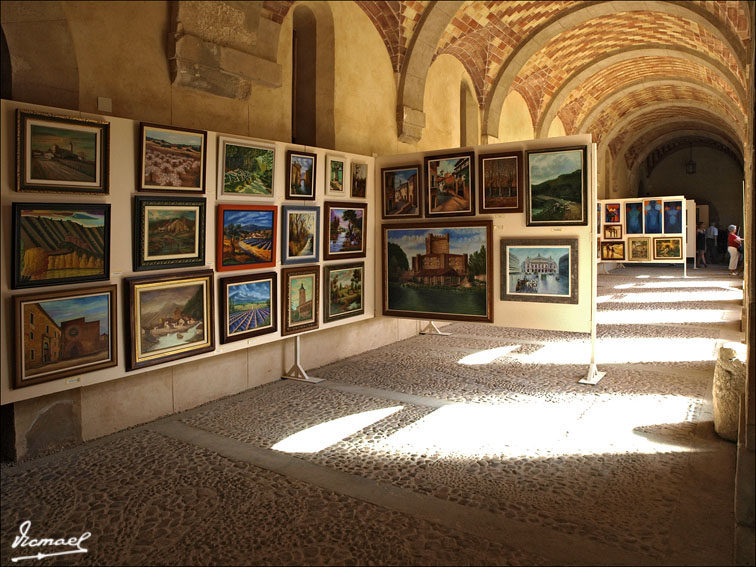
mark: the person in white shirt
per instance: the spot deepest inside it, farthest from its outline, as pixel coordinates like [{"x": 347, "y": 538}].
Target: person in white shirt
[{"x": 711, "y": 243}]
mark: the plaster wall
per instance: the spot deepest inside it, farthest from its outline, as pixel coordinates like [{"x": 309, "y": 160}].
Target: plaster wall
[
  {"x": 557, "y": 128},
  {"x": 515, "y": 122}
]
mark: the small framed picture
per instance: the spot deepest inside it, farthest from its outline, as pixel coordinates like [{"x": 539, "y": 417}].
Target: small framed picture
[
  {"x": 612, "y": 231},
  {"x": 346, "y": 230},
  {"x": 60, "y": 244},
  {"x": 300, "y": 234},
  {"x": 246, "y": 169},
  {"x": 401, "y": 192},
  {"x": 612, "y": 251},
  {"x": 612, "y": 213},
  {"x": 300, "y": 175},
  {"x": 638, "y": 248},
  {"x": 539, "y": 270},
  {"x": 343, "y": 291},
  {"x": 246, "y": 237},
  {"x": 171, "y": 159},
  {"x": 449, "y": 182},
  {"x": 557, "y": 187},
  {"x": 248, "y": 306},
  {"x": 336, "y": 178},
  {"x": 299, "y": 307},
  {"x": 359, "y": 180},
  {"x": 169, "y": 232},
  {"x": 500, "y": 184},
  {"x": 668, "y": 248},
  {"x": 63, "y": 333},
  {"x": 170, "y": 317}
]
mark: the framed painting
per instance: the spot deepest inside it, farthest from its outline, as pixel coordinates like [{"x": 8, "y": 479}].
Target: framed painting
[
  {"x": 598, "y": 248},
  {"x": 439, "y": 270},
  {"x": 336, "y": 180},
  {"x": 539, "y": 270},
  {"x": 245, "y": 169},
  {"x": 634, "y": 218},
  {"x": 500, "y": 184},
  {"x": 668, "y": 248},
  {"x": 598, "y": 218},
  {"x": 359, "y": 180},
  {"x": 673, "y": 223},
  {"x": 171, "y": 159},
  {"x": 62, "y": 154},
  {"x": 300, "y": 233},
  {"x": 248, "y": 306},
  {"x": 300, "y": 175},
  {"x": 449, "y": 181},
  {"x": 60, "y": 244},
  {"x": 346, "y": 229},
  {"x": 612, "y": 251},
  {"x": 170, "y": 317},
  {"x": 64, "y": 333},
  {"x": 652, "y": 216},
  {"x": 612, "y": 212},
  {"x": 638, "y": 248},
  {"x": 246, "y": 237},
  {"x": 557, "y": 187},
  {"x": 299, "y": 308},
  {"x": 401, "y": 192},
  {"x": 612, "y": 231},
  {"x": 168, "y": 232},
  {"x": 343, "y": 295}
]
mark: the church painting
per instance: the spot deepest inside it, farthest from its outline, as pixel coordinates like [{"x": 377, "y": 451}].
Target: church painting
[
  {"x": 168, "y": 232},
  {"x": 634, "y": 218},
  {"x": 500, "y": 183},
  {"x": 673, "y": 217},
  {"x": 172, "y": 159},
  {"x": 438, "y": 270},
  {"x": 300, "y": 299},
  {"x": 61, "y": 154},
  {"x": 539, "y": 270},
  {"x": 557, "y": 187},
  {"x": 449, "y": 185},
  {"x": 401, "y": 192}
]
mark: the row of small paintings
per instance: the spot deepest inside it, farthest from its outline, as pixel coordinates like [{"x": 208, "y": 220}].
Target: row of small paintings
[
  {"x": 649, "y": 216},
  {"x": 640, "y": 249},
  {"x": 170, "y": 317},
  {"x": 55, "y": 244}
]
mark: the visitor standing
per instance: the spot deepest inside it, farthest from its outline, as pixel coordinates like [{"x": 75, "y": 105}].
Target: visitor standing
[
  {"x": 711, "y": 242},
  {"x": 734, "y": 243},
  {"x": 700, "y": 245}
]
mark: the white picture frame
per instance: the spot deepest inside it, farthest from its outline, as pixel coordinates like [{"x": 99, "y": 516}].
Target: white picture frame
[{"x": 259, "y": 187}]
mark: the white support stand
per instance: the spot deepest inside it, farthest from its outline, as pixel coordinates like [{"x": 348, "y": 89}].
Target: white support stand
[
  {"x": 296, "y": 372},
  {"x": 431, "y": 329}
]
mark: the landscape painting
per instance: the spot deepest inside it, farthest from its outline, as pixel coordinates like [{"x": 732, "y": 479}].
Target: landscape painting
[
  {"x": 247, "y": 169},
  {"x": 299, "y": 238},
  {"x": 540, "y": 270},
  {"x": 61, "y": 154},
  {"x": 300, "y": 175},
  {"x": 64, "y": 333},
  {"x": 342, "y": 291},
  {"x": 639, "y": 249},
  {"x": 347, "y": 230},
  {"x": 359, "y": 180},
  {"x": 612, "y": 251},
  {"x": 172, "y": 159},
  {"x": 673, "y": 217},
  {"x": 168, "y": 232},
  {"x": 501, "y": 183},
  {"x": 60, "y": 244},
  {"x": 170, "y": 317},
  {"x": 557, "y": 187},
  {"x": 248, "y": 305},
  {"x": 246, "y": 237},
  {"x": 335, "y": 182},
  {"x": 438, "y": 270},
  {"x": 668, "y": 248},
  {"x": 300, "y": 303},
  {"x": 652, "y": 216},
  {"x": 449, "y": 182},
  {"x": 401, "y": 192},
  {"x": 634, "y": 218}
]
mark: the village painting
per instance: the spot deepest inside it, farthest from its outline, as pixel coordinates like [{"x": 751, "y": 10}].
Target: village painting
[
  {"x": 538, "y": 270},
  {"x": 557, "y": 191},
  {"x": 172, "y": 159},
  {"x": 449, "y": 185},
  {"x": 346, "y": 230},
  {"x": 247, "y": 170},
  {"x": 56, "y": 244},
  {"x": 249, "y": 306},
  {"x": 401, "y": 192},
  {"x": 246, "y": 237},
  {"x": 66, "y": 154},
  {"x": 171, "y": 231},
  {"x": 344, "y": 291},
  {"x": 300, "y": 176}
]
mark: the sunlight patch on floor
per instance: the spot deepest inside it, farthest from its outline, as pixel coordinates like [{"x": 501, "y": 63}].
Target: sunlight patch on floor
[
  {"x": 487, "y": 356},
  {"x": 658, "y": 316},
  {"x": 728, "y": 294}
]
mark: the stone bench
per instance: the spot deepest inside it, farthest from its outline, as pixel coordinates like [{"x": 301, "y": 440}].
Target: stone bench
[{"x": 729, "y": 385}]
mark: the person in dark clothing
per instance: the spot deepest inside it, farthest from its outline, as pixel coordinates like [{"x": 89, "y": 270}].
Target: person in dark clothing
[{"x": 700, "y": 246}]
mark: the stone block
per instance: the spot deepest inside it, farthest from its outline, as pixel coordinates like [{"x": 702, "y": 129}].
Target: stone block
[
  {"x": 729, "y": 384},
  {"x": 47, "y": 423}
]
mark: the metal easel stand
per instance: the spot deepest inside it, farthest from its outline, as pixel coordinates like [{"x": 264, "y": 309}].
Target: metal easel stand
[
  {"x": 431, "y": 329},
  {"x": 593, "y": 376},
  {"x": 296, "y": 372}
]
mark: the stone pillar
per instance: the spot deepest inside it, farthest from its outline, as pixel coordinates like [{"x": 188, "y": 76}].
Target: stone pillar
[{"x": 729, "y": 385}]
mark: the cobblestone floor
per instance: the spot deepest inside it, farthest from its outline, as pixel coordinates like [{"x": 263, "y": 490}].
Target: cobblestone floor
[{"x": 476, "y": 448}]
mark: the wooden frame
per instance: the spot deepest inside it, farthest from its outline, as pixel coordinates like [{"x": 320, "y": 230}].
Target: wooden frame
[
  {"x": 72, "y": 331},
  {"x": 358, "y": 186},
  {"x": 612, "y": 213},
  {"x": 673, "y": 216},
  {"x": 454, "y": 291},
  {"x": 169, "y": 232},
  {"x": 612, "y": 232},
  {"x": 256, "y": 292},
  {"x": 246, "y": 237},
  {"x": 300, "y": 234},
  {"x": 539, "y": 275},
  {"x": 613, "y": 251},
  {"x": 301, "y": 175},
  {"x": 169, "y": 317},
  {"x": 171, "y": 159},
  {"x": 638, "y": 248},
  {"x": 334, "y": 187},
  {"x": 559, "y": 179},
  {"x": 449, "y": 185},
  {"x": 668, "y": 248},
  {"x": 62, "y": 154},
  {"x": 400, "y": 192},
  {"x": 339, "y": 220},
  {"x": 500, "y": 173},
  {"x": 57, "y": 244},
  {"x": 343, "y": 291},
  {"x": 246, "y": 169},
  {"x": 299, "y": 305}
]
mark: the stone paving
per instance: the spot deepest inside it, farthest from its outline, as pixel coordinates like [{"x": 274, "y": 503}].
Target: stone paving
[{"x": 489, "y": 423}]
